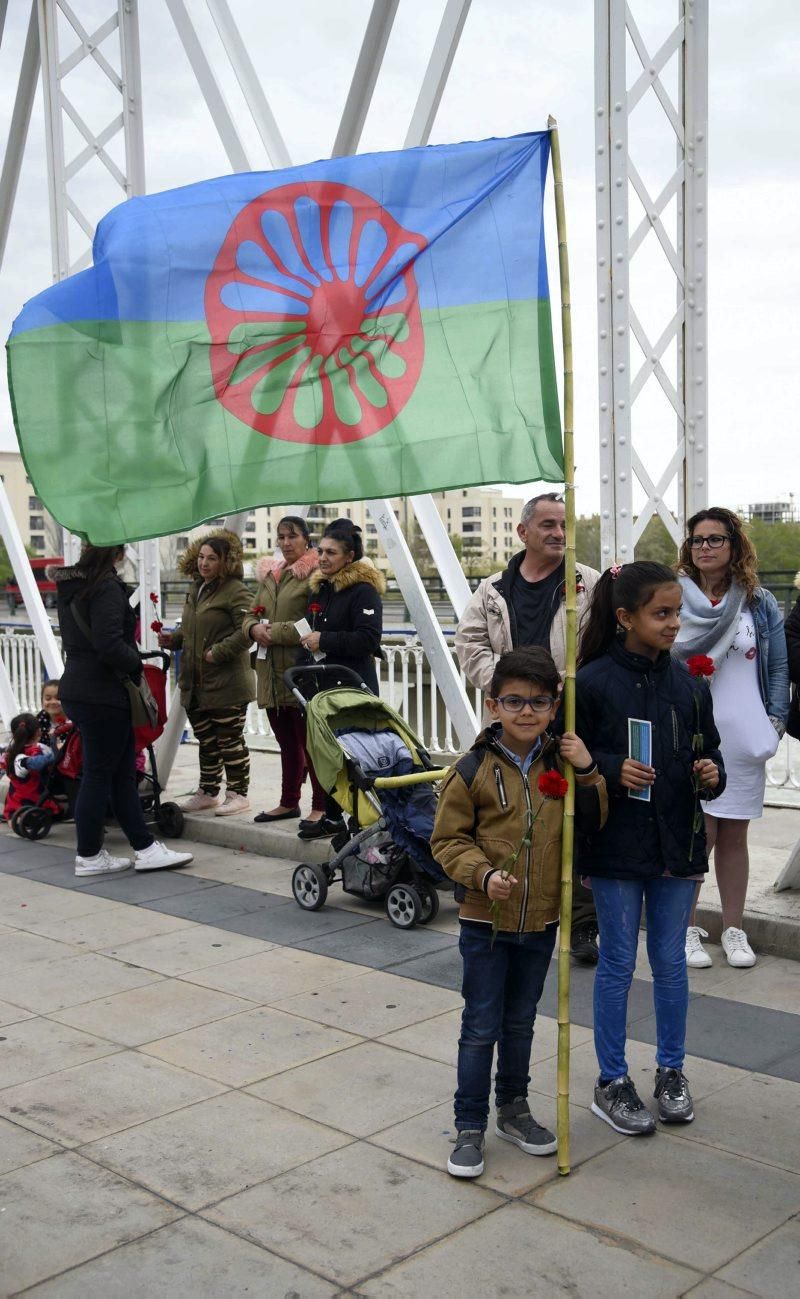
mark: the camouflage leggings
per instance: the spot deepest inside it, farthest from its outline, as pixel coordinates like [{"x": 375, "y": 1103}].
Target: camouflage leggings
[{"x": 220, "y": 735}]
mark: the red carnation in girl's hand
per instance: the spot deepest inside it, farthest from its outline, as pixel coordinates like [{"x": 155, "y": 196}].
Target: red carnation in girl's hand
[
  {"x": 154, "y": 597},
  {"x": 156, "y": 626},
  {"x": 551, "y": 784},
  {"x": 315, "y": 608},
  {"x": 700, "y": 665},
  {"x": 259, "y": 610}
]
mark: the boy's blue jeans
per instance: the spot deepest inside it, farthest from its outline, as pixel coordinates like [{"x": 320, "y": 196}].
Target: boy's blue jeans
[
  {"x": 501, "y": 988},
  {"x": 668, "y": 903}
]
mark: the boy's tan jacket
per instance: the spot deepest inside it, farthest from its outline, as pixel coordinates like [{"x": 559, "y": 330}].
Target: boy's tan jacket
[{"x": 481, "y": 821}]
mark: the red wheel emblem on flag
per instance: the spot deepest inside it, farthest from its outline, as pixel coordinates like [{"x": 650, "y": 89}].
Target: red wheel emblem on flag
[{"x": 314, "y": 316}]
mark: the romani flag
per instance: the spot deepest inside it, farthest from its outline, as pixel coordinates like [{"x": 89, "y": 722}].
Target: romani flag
[{"x": 359, "y": 327}]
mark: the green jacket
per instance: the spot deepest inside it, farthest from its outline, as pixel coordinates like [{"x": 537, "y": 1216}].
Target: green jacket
[
  {"x": 284, "y": 594},
  {"x": 214, "y": 622}
]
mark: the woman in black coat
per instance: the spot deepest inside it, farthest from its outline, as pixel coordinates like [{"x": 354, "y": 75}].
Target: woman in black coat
[
  {"x": 98, "y": 637},
  {"x": 345, "y": 613}
]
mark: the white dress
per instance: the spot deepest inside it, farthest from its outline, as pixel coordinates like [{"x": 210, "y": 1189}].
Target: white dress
[{"x": 747, "y": 737}]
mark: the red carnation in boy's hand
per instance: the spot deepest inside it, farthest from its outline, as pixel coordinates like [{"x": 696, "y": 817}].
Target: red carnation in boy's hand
[
  {"x": 700, "y": 665},
  {"x": 259, "y": 610},
  {"x": 551, "y": 784},
  {"x": 154, "y": 597},
  {"x": 156, "y": 626}
]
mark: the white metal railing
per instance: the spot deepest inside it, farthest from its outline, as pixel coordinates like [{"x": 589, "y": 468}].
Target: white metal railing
[{"x": 407, "y": 685}]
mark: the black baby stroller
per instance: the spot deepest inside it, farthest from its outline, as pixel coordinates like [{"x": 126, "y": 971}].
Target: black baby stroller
[
  {"x": 35, "y": 821},
  {"x": 374, "y": 766}
]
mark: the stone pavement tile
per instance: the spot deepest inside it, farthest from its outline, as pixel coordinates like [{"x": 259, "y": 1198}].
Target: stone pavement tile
[
  {"x": 145, "y": 886},
  {"x": 210, "y": 906},
  {"x": 522, "y": 1253},
  {"x": 771, "y": 1268},
  {"x": 191, "y": 948},
  {"x": 62, "y": 1211},
  {"x": 24, "y": 901},
  {"x": 362, "y": 1090},
  {"x": 787, "y": 1067},
  {"x": 40, "y": 1046},
  {"x": 33, "y": 858},
  {"x": 93, "y": 1100},
  {"x": 711, "y": 1289},
  {"x": 273, "y": 975},
  {"x": 244, "y": 1048},
  {"x": 759, "y": 1117},
  {"x": 20, "y": 948},
  {"x": 352, "y": 1212},
  {"x": 53, "y": 985},
  {"x": 427, "y": 1137},
  {"x": 640, "y": 997},
  {"x": 18, "y": 1147},
  {"x": 146, "y": 1014},
  {"x": 705, "y": 1076},
  {"x": 382, "y": 944},
  {"x": 214, "y": 1149},
  {"x": 373, "y": 1003},
  {"x": 435, "y": 1039},
  {"x": 228, "y": 867},
  {"x": 287, "y": 925},
  {"x": 12, "y": 1014},
  {"x": 700, "y": 981},
  {"x": 656, "y": 1190},
  {"x": 774, "y": 983},
  {"x": 118, "y": 924},
  {"x": 749, "y": 1037},
  {"x": 189, "y": 1257},
  {"x": 442, "y": 968}
]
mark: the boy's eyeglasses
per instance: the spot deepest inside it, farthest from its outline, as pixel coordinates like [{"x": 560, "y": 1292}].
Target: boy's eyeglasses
[
  {"x": 714, "y": 543},
  {"x": 516, "y": 703}
]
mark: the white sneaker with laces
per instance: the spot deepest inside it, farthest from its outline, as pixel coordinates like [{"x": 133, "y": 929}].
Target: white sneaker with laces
[
  {"x": 697, "y": 958},
  {"x": 159, "y": 857},
  {"x": 101, "y": 864},
  {"x": 233, "y": 803},
  {"x": 737, "y": 949}
]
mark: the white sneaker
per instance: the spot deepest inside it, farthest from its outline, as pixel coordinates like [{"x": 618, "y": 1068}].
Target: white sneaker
[
  {"x": 697, "y": 958},
  {"x": 233, "y": 803},
  {"x": 101, "y": 864},
  {"x": 199, "y": 801},
  {"x": 159, "y": 857},
  {"x": 737, "y": 949}
]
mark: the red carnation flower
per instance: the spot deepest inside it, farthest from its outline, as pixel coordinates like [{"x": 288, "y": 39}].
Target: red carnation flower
[
  {"x": 259, "y": 610},
  {"x": 156, "y": 626},
  {"x": 551, "y": 784},
  {"x": 315, "y": 608},
  {"x": 700, "y": 665},
  {"x": 154, "y": 597}
]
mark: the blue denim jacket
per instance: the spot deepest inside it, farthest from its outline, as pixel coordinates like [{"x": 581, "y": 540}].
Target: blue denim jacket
[{"x": 773, "y": 664}]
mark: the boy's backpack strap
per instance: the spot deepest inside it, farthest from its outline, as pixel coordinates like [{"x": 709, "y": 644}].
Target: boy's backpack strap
[{"x": 469, "y": 766}]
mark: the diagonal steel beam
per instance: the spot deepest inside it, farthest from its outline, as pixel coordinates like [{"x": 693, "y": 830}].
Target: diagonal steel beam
[
  {"x": 436, "y": 73},
  {"x": 20, "y": 121},
  {"x": 365, "y": 76},
  {"x": 250, "y": 83},
  {"x": 210, "y": 88}
]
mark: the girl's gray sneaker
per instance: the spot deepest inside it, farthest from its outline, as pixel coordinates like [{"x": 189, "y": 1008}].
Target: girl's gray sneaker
[
  {"x": 675, "y": 1103},
  {"x": 467, "y": 1157},
  {"x": 516, "y": 1123},
  {"x": 618, "y": 1105}
]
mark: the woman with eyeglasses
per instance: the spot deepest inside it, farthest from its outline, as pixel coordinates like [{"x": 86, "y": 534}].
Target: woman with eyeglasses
[{"x": 730, "y": 618}]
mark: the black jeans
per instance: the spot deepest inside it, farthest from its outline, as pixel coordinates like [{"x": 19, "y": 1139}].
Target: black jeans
[
  {"x": 501, "y": 988},
  {"x": 109, "y": 775}
]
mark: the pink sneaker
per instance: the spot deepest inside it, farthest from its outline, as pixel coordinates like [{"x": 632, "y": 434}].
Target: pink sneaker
[
  {"x": 233, "y": 803},
  {"x": 200, "y": 802}
]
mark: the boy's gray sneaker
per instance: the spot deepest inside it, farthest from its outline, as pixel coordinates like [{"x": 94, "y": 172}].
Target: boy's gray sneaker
[
  {"x": 516, "y": 1123},
  {"x": 618, "y": 1105},
  {"x": 675, "y": 1103},
  {"x": 467, "y": 1157}
]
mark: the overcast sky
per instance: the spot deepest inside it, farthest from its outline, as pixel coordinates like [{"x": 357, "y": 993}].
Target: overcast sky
[{"x": 518, "y": 60}]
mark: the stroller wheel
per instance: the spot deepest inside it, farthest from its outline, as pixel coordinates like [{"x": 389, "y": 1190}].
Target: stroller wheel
[
  {"x": 169, "y": 819},
  {"x": 16, "y": 819},
  {"x": 34, "y": 822},
  {"x": 429, "y": 900},
  {"x": 403, "y": 906},
  {"x": 310, "y": 887}
]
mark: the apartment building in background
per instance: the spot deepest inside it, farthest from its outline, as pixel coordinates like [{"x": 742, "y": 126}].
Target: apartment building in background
[{"x": 40, "y": 532}]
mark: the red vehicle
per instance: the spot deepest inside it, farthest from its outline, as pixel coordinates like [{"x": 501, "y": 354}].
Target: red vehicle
[{"x": 47, "y": 588}]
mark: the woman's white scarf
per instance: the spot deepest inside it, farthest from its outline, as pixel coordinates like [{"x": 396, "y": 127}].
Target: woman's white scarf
[{"x": 708, "y": 628}]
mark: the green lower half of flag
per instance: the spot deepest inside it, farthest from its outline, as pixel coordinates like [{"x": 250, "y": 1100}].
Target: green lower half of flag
[{"x": 124, "y": 435}]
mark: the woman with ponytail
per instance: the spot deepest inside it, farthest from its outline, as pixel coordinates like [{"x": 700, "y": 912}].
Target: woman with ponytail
[{"x": 652, "y": 848}]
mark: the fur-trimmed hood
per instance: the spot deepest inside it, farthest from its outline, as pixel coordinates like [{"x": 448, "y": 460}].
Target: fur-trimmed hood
[
  {"x": 361, "y": 570},
  {"x": 229, "y": 567},
  {"x": 270, "y": 566}
]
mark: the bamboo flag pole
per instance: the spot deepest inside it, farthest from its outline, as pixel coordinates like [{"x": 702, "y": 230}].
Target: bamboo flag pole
[{"x": 562, "y": 1103}]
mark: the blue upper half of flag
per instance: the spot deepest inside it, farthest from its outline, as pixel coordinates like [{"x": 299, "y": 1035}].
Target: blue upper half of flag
[{"x": 473, "y": 213}]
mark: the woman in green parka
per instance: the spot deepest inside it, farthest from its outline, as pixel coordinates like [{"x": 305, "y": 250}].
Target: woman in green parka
[
  {"x": 281, "y": 599},
  {"x": 216, "y": 676}
]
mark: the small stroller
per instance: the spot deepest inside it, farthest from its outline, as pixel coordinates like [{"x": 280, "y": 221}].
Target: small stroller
[
  {"x": 36, "y": 819},
  {"x": 374, "y": 766}
]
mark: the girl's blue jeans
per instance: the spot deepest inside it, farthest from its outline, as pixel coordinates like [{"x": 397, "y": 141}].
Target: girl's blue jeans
[
  {"x": 668, "y": 903},
  {"x": 502, "y": 984}
]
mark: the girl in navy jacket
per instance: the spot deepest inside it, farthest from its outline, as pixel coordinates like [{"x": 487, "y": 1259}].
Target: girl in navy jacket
[{"x": 652, "y": 849}]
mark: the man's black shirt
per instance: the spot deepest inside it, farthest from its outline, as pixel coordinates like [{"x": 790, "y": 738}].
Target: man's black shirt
[{"x": 535, "y": 606}]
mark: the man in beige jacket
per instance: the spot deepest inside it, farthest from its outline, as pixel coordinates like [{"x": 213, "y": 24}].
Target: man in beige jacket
[{"x": 525, "y": 605}]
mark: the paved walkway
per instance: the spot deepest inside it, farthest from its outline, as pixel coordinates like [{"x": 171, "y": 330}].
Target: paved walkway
[{"x": 205, "y": 1091}]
